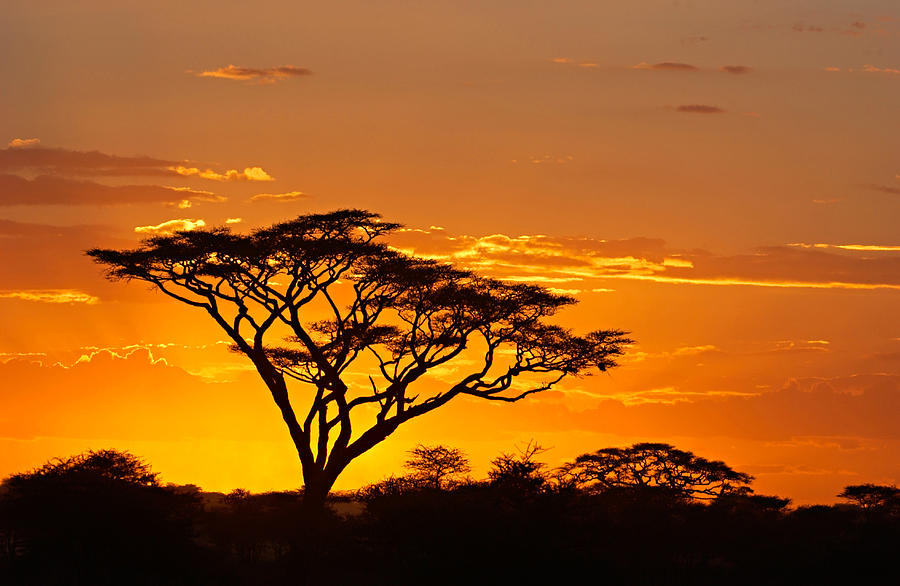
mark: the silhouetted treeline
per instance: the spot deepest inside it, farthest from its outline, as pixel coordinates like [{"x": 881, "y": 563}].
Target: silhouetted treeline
[{"x": 104, "y": 518}]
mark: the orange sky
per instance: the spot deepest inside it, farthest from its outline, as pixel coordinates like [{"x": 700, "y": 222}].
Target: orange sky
[{"x": 719, "y": 178}]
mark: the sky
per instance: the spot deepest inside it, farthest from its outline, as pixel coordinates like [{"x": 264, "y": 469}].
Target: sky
[{"x": 719, "y": 178}]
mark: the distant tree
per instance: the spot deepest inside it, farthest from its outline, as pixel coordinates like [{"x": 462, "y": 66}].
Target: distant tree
[
  {"x": 100, "y": 513},
  {"x": 872, "y": 496},
  {"x": 519, "y": 470},
  {"x": 649, "y": 465},
  {"x": 308, "y": 299},
  {"x": 91, "y": 466},
  {"x": 437, "y": 464},
  {"x": 392, "y": 486}
]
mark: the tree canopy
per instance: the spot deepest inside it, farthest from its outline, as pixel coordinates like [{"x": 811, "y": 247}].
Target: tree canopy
[
  {"x": 437, "y": 464},
  {"x": 872, "y": 496},
  {"x": 320, "y": 297},
  {"x": 656, "y": 465},
  {"x": 91, "y": 466}
]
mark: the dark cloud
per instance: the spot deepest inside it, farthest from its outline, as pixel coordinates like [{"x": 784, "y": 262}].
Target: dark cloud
[
  {"x": 699, "y": 109},
  {"x": 666, "y": 66},
  {"x": 884, "y": 188},
  {"x": 736, "y": 69},
  {"x": 68, "y": 162},
  {"x": 54, "y": 190},
  {"x": 693, "y": 40}
]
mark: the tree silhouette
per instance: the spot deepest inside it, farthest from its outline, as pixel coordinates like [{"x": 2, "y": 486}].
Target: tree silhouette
[
  {"x": 435, "y": 464},
  {"x": 519, "y": 471},
  {"x": 872, "y": 496},
  {"x": 653, "y": 465},
  {"x": 320, "y": 297},
  {"x": 81, "y": 519}
]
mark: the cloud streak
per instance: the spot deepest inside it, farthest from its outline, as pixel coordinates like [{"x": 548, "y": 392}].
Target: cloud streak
[
  {"x": 289, "y": 196},
  {"x": 169, "y": 227},
  {"x": 699, "y": 109},
  {"x": 50, "y": 296},
  {"x": 264, "y": 75},
  {"x": 582, "y": 260},
  {"x": 248, "y": 174},
  {"x": 666, "y": 66},
  {"x": 53, "y": 190},
  {"x": 736, "y": 69},
  {"x": 26, "y": 155},
  {"x": 23, "y": 143}
]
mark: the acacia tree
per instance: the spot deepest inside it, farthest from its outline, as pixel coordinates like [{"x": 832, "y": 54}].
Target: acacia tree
[
  {"x": 656, "y": 465},
  {"x": 311, "y": 299},
  {"x": 872, "y": 496},
  {"x": 435, "y": 464}
]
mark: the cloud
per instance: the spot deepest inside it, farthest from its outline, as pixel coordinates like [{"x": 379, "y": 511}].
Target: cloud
[
  {"x": 666, "y": 66},
  {"x": 874, "y": 69},
  {"x": 54, "y": 190},
  {"x": 97, "y": 398},
  {"x": 169, "y": 227},
  {"x": 24, "y": 155},
  {"x": 561, "y": 60},
  {"x": 259, "y": 75},
  {"x": 854, "y": 247},
  {"x": 21, "y": 156},
  {"x": 884, "y": 188},
  {"x": 693, "y": 40},
  {"x": 736, "y": 69},
  {"x": 801, "y": 28},
  {"x": 699, "y": 109},
  {"x": 538, "y": 160},
  {"x": 234, "y": 220},
  {"x": 248, "y": 174},
  {"x": 22, "y": 143},
  {"x": 50, "y": 296},
  {"x": 289, "y": 196},
  {"x": 581, "y": 260}
]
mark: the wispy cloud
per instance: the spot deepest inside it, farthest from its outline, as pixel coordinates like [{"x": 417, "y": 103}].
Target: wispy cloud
[
  {"x": 586, "y": 263},
  {"x": 693, "y": 40},
  {"x": 884, "y": 188},
  {"x": 543, "y": 159},
  {"x": 736, "y": 69},
  {"x": 28, "y": 154},
  {"x": 169, "y": 227},
  {"x": 666, "y": 66},
  {"x": 699, "y": 109},
  {"x": 255, "y": 74},
  {"x": 289, "y": 196},
  {"x": 874, "y": 69},
  {"x": 53, "y": 190},
  {"x": 248, "y": 174},
  {"x": 50, "y": 296},
  {"x": 23, "y": 143},
  {"x": 855, "y": 247}
]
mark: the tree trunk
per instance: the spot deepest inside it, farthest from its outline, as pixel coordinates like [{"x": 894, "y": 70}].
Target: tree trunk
[{"x": 315, "y": 491}]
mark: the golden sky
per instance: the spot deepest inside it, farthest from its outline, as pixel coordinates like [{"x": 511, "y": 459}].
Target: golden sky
[{"x": 719, "y": 178}]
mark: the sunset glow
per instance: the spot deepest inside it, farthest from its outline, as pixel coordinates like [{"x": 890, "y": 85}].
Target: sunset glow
[{"x": 719, "y": 179}]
